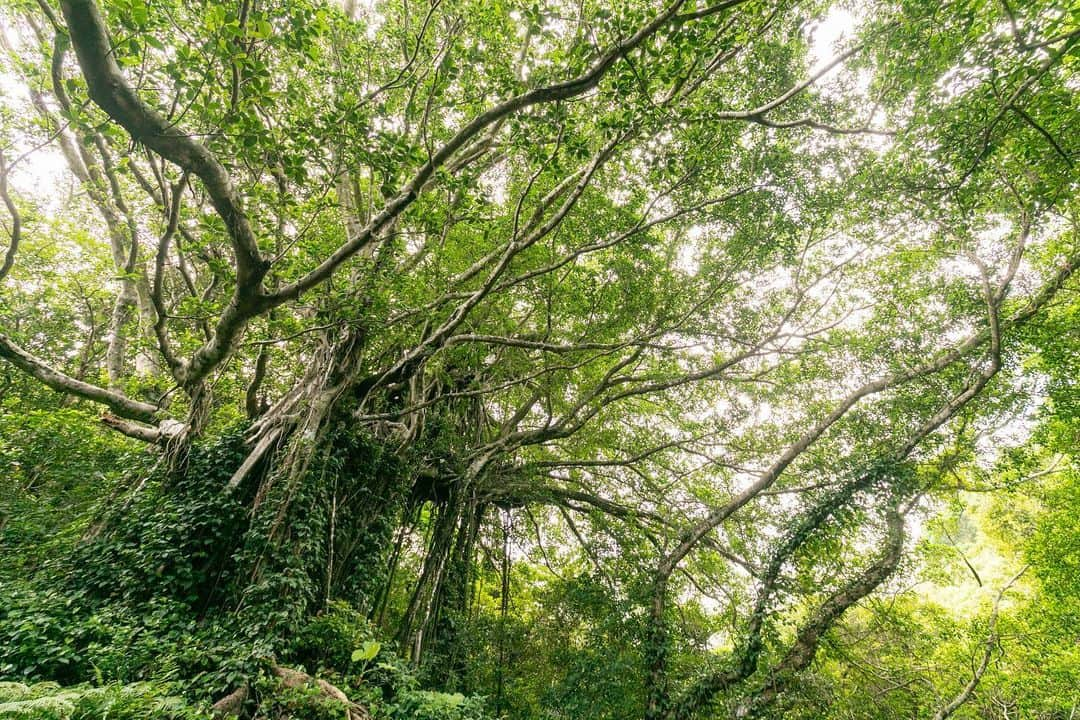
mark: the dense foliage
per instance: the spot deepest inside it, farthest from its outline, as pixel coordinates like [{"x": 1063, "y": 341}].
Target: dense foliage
[{"x": 475, "y": 359}]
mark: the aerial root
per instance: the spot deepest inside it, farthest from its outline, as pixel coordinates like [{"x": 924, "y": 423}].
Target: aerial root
[{"x": 232, "y": 704}]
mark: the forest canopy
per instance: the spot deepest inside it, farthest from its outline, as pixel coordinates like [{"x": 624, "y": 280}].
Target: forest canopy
[{"x": 476, "y": 359}]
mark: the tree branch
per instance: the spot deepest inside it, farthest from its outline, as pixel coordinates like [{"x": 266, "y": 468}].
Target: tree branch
[
  {"x": 36, "y": 367},
  {"x": 15, "y": 233},
  {"x": 111, "y": 91},
  {"x": 988, "y": 650}
]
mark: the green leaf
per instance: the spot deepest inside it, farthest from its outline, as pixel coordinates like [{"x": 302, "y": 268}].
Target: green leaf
[
  {"x": 140, "y": 13},
  {"x": 262, "y": 29},
  {"x": 367, "y": 651}
]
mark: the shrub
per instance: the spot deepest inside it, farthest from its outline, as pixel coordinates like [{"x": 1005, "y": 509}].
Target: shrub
[
  {"x": 139, "y": 701},
  {"x": 428, "y": 705}
]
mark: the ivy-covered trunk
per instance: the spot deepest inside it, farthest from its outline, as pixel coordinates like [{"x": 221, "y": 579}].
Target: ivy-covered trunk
[{"x": 309, "y": 505}]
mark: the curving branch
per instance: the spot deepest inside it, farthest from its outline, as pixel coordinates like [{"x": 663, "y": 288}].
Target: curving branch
[
  {"x": 758, "y": 114},
  {"x": 37, "y": 368},
  {"x": 15, "y": 232},
  {"x": 800, "y": 654},
  {"x": 111, "y": 91},
  {"x": 156, "y": 298},
  {"x": 989, "y": 645}
]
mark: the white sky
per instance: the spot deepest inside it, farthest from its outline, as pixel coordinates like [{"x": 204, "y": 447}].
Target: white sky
[{"x": 825, "y": 36}]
